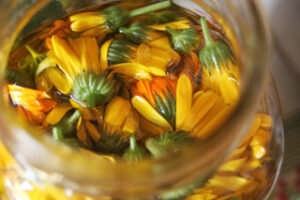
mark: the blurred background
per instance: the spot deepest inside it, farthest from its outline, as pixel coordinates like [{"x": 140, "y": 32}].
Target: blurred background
[{"x": 284, "y": 19}]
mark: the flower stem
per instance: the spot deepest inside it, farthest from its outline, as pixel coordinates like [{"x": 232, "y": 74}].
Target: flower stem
[
  {"x": 207, "y": 37},
  {"x": 74, "y": 117},
  {"x": 35, "y": 55},
  {"x": 57, "y": 133},
  {"x": 133, "y": 144},
  {"x": 151, "y": 8}
]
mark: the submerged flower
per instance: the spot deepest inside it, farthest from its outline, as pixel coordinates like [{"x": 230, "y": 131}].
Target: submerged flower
[
  {"x": 167, "y": 143},
  {"x": 158, "y": 96},
  {"x": 138, "y": 32},
  {"x": 73, "y": 66},
  {"x": 139, "y": 62},
  {"x": 110, "y": 19},
  {"x": 135, "y": 152},
  {"x": 183, "y": 40},
  {"x": 219, "y": 71},
  {"x": 120, "y": 121},
  {"x": 34, "y": 104},
  {"x": 200, "y": 113}
]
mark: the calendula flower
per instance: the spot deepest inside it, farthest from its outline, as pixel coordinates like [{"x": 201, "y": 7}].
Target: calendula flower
[
  {"x": 120, "y": 122},
  {"x": 138, "y": 32},
  {"x": 110, "y": 19},
  {"x": 135, "y": 152},
  {"x": 167, "y": 143},
  {"x": 183, "y": 40},
  {"x": 73, "y": 67},
  {"x": 158, "y": 96},
  {"x": 34, "y": 104},
  {"x": 200, "y": 113},
  {"x": 219, "y": 71},
  {"x": 139, "y": 62}
]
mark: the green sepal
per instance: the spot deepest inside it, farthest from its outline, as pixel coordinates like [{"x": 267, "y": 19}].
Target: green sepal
[
  {"x": 215, "y": 53},
  {"x": 116, "y": 17},
  {"x": 136, "y": 32},
  {"x": 134, "y": 153},
  {"x": 111, "y": 143},
  {"x": 167, "y": 143},
  {"x": 120, "y": 52},
  {"x": 166, "y": 106},
  {"x": 163, "y": 17},
  {"x": 66, "y": 126},
  {"x": 183, "y": 40},
  {"x": 93, "y": 89},
  {"x": 235, "y": 198}
]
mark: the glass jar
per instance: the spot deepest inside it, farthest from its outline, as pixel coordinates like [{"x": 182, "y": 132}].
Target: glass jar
[{"x": 61, "y": 172}]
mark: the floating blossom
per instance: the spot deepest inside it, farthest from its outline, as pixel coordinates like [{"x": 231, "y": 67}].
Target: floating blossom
[
  {"x": 200, "y": 113},
  {"x": 160, "y": 93},
  {"x": 33, "y": 103},
  {"x": 92, "y": 89},
  {"x": 143, "y": 61},
  {"x": 138, "y": 32},
  {"x": 79, "y": 71},
  {"x": 167, "y": 143},
  {"x": 111, "y": 19},
  {"x": 219, "y": 71},
  {"x": 135, "y": 152},
  {"x": 183, "y": 40}
]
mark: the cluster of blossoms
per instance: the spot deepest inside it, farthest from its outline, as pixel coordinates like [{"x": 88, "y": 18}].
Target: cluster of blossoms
[{"x": 137, "y": 84}]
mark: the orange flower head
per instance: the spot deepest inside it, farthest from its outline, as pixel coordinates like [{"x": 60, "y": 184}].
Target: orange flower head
[
  {"x": 160, "y": 93},
  {"x": 34, "y": 104}
]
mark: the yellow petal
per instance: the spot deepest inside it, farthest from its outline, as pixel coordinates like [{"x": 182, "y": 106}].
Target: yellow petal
[
  {"x": 93, "y": 131},
  {"x": 145, "y": 109},
  {"x": 42, "y": 83},
  {"x": 213, "y": 124},
  {"x": 84, "y": 21},
  {"x": 59, "y": 80},
  {"x": 253, "y": 129},
  {"x": 232, "y": 183},
  {"x": 57, "y": 114},
  {"x": 117, "y": 112},
  {"x": 150, "y": 128},
  {"x": 46, "y": 63},
  {"x": 65, "y": 57},
  {"x": 104, "y": 54},
  {"x": 87, "y": 51},
  {"x": 233, "y": 165},
  {"x": 267, "y": 120},
  {"x": 258, "y": 151},
  {"x": 184, "y": 93},
  {"x": 157, "y": 71},
  {"x": 199, "y": 109},
  {"x": 182, "y": 24},
  {"x": 134, "y": 70},
  {"x": 131, "y": 125}
]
